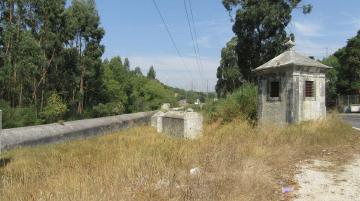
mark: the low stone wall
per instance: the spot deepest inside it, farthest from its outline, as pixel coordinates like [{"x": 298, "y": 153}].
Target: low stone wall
[{"x": 51, "y": 133}]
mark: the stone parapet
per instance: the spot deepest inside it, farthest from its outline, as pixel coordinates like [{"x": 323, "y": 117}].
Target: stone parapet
[{"x": 52, "y": 133}]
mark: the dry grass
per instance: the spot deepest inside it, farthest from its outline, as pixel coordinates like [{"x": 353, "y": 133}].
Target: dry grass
[{"x": 238, "y": 162}]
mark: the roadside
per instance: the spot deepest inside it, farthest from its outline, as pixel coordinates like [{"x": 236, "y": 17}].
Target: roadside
[
  {"x": 352, "y": 118},
  {"x": 318, "y": 181}
]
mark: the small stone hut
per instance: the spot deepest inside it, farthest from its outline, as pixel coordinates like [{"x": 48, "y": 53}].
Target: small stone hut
[{"x": 291, "y": 89}]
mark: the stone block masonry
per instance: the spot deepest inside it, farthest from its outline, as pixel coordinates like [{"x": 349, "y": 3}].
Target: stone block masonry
[
  {"x": 156, "y": 121},
  {"x": 181, "y": 124},
  {"x": 291, "y": 89},
  {"x": 52, "y": 133}
]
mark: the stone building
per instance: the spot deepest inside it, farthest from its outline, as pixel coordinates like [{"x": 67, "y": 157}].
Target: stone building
[{"x": 291, "y": 89}]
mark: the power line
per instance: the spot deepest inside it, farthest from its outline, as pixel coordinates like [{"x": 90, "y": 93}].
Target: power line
[
  {"x": 192, "y": 34},
  {"x": 195, "y": 33},
  {"x": 170, "y": 35}
]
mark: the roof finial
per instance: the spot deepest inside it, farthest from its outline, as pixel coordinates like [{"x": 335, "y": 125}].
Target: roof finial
[{"x": 290, "y": 44}]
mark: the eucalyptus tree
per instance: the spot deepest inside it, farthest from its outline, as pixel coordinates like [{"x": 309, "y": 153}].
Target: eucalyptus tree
[
  {"x": 260, "y": 28},
  {"x": 228, "y": 73},
  {"x": 84, "y": 23}
]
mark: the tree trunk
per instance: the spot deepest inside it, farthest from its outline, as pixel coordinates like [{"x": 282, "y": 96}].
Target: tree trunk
[
  {"x": 81, "y": 100},
  {"x": 21, "y": 95}
]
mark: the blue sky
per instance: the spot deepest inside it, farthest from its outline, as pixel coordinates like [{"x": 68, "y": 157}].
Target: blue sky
[{"x": 135, "y": 30}]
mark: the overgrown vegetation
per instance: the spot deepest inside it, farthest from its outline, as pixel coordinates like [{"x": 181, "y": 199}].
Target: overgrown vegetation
[
  {"x": 237, "y": 162},
  {"x": 242, "y": 103}
]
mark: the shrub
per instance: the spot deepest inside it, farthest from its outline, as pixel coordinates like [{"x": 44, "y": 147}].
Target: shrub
[
  {"x": 55, "y": 109},
  {"x": 114, "y": 108},
  {"x": 242, "y": 103},
  {"x": 18, "y": 117}
]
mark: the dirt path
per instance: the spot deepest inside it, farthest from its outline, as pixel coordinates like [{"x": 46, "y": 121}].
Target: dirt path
[{"x": 317, "y": 183}]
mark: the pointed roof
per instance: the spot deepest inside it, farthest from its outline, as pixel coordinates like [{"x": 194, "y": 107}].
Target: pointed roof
[{"x": 290, "y": 58}]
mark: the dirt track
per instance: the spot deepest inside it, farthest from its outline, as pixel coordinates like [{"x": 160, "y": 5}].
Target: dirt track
[{"x": 318, "y": 183}]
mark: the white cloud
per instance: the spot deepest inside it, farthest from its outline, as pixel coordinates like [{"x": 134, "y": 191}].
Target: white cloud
[
  {"x": 171, "y": 70},
  {"x": 308, "y": 28}
]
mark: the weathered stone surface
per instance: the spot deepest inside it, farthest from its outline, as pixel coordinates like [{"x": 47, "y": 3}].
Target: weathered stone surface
[
  {"x": 290, "y": 58},
  {"x": 183, "y": 124},
  {"x": 156, "y": 120},
  {"x": 51, "y": 133},
  {"x": 291, "y": 70}
]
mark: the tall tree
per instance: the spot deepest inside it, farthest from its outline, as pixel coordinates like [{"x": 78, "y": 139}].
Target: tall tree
[
  {"x": 87, "y": 34},
  {"x": 151, "y": 74},
  {"x": 349, "y": 69},
  {"x": 260, "y": 30},
  {"x": 228, "y": 73},
  {"x": 137, "y": 71},
  {"x": 127, "y": 64},
  {"x": 332, "y": 76}
]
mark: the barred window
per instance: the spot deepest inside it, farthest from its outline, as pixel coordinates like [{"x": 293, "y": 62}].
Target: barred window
[
  {"x": 274, "y": 89},
  {"x": 309, "y": 89}
]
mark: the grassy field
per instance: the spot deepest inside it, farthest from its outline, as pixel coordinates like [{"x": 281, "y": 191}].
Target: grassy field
[{"x": 237, "y": 161}]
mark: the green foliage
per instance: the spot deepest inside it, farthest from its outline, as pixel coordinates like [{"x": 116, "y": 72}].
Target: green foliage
[
  {"x": 344, "y": 77},
  {"x": 108, "y": 109},
  {"x": 228, "y": 73},
  {"x": 17, "y": 117},
  {"x": 132, "y": 89},
  {"x": 137, "y": 71},
  {"x": 54, "y": 110},
  {"x": 151, "y": 74},
  {"x": 260, "y": 28},
  {"x": 332, "y": 76},
  {"x": 55, "y": 47},
  {"x": 348, "y": 70},
  {"x": 242, "y": 103}
]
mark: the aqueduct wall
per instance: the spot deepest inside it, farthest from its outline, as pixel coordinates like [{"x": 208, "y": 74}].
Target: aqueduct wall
[{"x": 51, "y": 133}]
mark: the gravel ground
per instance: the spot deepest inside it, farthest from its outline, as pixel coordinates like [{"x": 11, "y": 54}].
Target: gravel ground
[{"x": 317, "y": 183}]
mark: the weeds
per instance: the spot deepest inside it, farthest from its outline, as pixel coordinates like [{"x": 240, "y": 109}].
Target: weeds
[{"x": 237, "y": 162}]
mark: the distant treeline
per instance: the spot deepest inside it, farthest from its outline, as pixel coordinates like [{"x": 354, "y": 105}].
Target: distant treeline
[
  {"x": 344, "y": 77},
  {"x": 51, "y": 67}
]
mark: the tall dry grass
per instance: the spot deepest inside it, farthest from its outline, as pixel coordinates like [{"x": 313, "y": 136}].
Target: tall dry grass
[{"x": 238, "y": 162}]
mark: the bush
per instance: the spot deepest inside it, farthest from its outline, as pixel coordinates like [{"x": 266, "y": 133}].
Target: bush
[
  {"x": 242, "y": 103},
  {"x": 54, "y": 110},
  {"x": 102, "y": 110},
  {"x": 18, "y": 117}
]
